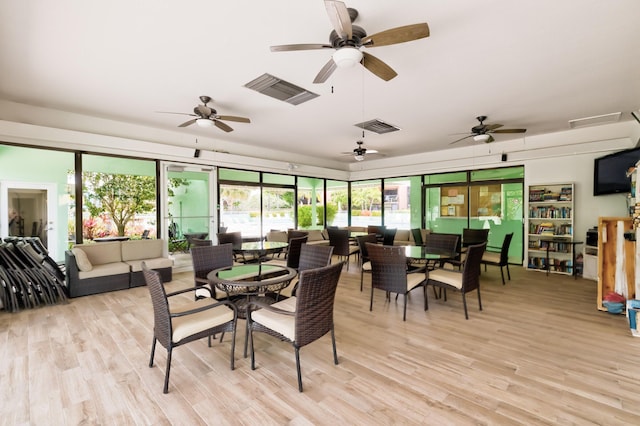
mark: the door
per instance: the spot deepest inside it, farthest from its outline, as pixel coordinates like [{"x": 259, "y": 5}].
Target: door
[
  {"x": 30, "y": 211},
  {"x": 188, "y": 204}
]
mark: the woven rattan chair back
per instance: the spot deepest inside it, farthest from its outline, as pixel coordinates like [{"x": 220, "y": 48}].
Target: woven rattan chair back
[
  {"x": 293, "y": 251},
  {"x": 389, "y": 236},
  {"x": 472, "y": 236},
  {"x": 388, "y": 268},
  {"x": 314, "y": 256},
  {"x": 417, "y": 236},
  {"x": 207, "y": 258},
  {"x": 234, "y": 238}
]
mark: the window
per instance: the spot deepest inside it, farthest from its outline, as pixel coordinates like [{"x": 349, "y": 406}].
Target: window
[{"x": 366, "y": 203}]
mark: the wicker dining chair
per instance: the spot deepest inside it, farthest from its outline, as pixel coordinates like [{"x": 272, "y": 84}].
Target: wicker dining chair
[
  {"x": 205, "y": 259},
  {"x": 293, "y": 253},
  {"x": 388, "y": 236},
  {"x": 389, "y": 272},
  {"x": 463, "y": 281},
  {"x": 471, "y": 236},
  {"x": 365, "y": 262},
  {"x": 417, "y": 236},
  {"x": 501, "y": 258},
  {"x": 339, "y": 240},
  {"x": 311, "y": 257},
  {"x": 302, "y": 319},
  {"x": 174, "y": 326}
]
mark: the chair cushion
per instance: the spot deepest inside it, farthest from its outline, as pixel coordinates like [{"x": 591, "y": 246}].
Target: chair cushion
[
  {"x": 283, "y": 324},
  {"x": 452, "y": 278},
  {"x": 414, "y": 280},
  {"x": 366, "y": 266},
  {"x": 191, "y": 324},
  {"x": 157, "y": 263},
  {"x": 82, "y": 260},
  {"x": 115, "y": 268},
  {"x": 102, "y": 253},
  {"x": 489, "y": 256}
]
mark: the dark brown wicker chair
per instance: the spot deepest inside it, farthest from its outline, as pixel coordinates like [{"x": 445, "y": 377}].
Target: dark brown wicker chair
[
  {"x": 235, "y": 238},
  {"x": 446, "y": 242},
  {"x": 388, "y": 236},
  {"x": 293, "y": 253},
  {"x": 311, "y": 257},
  {"x": 389, "y": 272},
  {"x": 198, "y": 242},
  {"x": 207, "y": 258},
  {"x": 176, "y": 325},
  {"x": 365, "y": 262},
  {"x": 471, "y": 237},
  {"x": 339, "y": 240},
  {"x": 500, "y": 258},
  {"x": 302, "y": 319},
  {"x": 417, "y": 236},
  {"x": 463, "y": 281},
  {"x": 376, "y": 229}
]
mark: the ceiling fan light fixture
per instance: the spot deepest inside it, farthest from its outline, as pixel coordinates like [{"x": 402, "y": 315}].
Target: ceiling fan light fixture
[
  {"x": 204, "y": 122},
  {"x": 482, "y": 138},
  {"x": 358, "y": 157},
  {"x": 347, "y": 56}
]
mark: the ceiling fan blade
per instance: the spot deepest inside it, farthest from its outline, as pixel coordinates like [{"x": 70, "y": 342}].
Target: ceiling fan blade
[
  {"x": 339, "y": 17},
  {"x": 177, "y": 113},
  {"x": 223, "y": 126},
  {"x": 397, "y": 35},
  {"x": 188, "y": 123},
  {"x": 292, "y": 47},
  {"x": 377, "y": 67},
  {"x": 371, "y": 151},
  {"x": 326, "y": 71},
  {"x": 461, "y": 139},
  {"x": 233, "y": 118},
  {"x": 509, "y": 131},
  {"x": 492, "y": 126}
]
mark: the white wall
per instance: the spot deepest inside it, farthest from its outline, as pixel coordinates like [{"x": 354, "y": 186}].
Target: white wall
[{"x": 577, "y": 168}]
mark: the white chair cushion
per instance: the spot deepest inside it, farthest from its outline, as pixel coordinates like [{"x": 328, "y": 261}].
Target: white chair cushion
[
  {"x": 452, "y": 278},
  {"x": 414, "y": 280},
  {"x": 82, "y": 260},
  {"x": 116, "y": 268},
  {"x": 366, "y": 266},
  {"x": 490, "y": 256},
  {"x": 283, "y": 324},
  {"x": 191, "y": 324}
]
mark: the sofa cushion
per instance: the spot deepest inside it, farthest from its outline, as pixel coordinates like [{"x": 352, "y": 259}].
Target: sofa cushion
[
  {"x": 82, "y": 260},
  {"x": 403, "y": 235},
  {"x": 102, "y": 253},
  {"x": 142, "y": 249},
  {"x": 315, "y": 235},
  {"x": 278, "y": 236},
  {"x": 105, "y": 269},
  {"x": 156, "y": 263}
]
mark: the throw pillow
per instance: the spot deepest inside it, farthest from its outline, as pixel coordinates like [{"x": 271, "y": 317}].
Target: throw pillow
[{"x": 82, "y": 260}]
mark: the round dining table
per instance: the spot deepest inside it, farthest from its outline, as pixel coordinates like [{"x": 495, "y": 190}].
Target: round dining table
[
  {"x": 258, "y": 250},
  {"x": 251, "y": 282}
]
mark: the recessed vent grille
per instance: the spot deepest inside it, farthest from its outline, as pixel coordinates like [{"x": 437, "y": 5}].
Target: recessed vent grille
[
  {"x": 280, "y": 89},
  {"x": 592, "y": 121},
  {"x": 377, "y": 126}
]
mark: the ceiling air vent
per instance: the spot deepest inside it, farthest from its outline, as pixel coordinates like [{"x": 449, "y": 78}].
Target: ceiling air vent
[
  {"x": 377, "y": 126},
  {"x": 280, "y": 89},
  {"x": 592, "y": 121}
]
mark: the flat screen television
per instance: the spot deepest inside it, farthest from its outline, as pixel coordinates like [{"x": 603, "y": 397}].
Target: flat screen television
[{"x": 610, "y": 172}]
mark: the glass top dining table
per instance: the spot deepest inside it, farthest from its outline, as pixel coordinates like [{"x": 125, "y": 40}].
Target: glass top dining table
[{"x": 427, "y": 253}]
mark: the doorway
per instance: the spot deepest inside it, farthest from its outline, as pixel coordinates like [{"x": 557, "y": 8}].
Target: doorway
[{"x": 30, "y": 211}]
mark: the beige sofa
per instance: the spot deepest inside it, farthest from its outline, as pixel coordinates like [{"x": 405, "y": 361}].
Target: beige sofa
[{"x": 115, "y": 265}]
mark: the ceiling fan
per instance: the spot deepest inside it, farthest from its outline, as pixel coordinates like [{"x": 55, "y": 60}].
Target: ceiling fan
[
  {"x": 359, "y": 152},
  {"x": 347, "y": 39},
  {"x": 207, "y": 116},
  {"x": 483, "y": 132}
]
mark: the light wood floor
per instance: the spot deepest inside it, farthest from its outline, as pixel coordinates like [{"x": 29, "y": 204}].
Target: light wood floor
[{"x": 539, "y": 353}]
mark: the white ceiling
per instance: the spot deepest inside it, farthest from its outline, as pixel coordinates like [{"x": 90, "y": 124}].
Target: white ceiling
[{"x": 527, "y": 64}]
